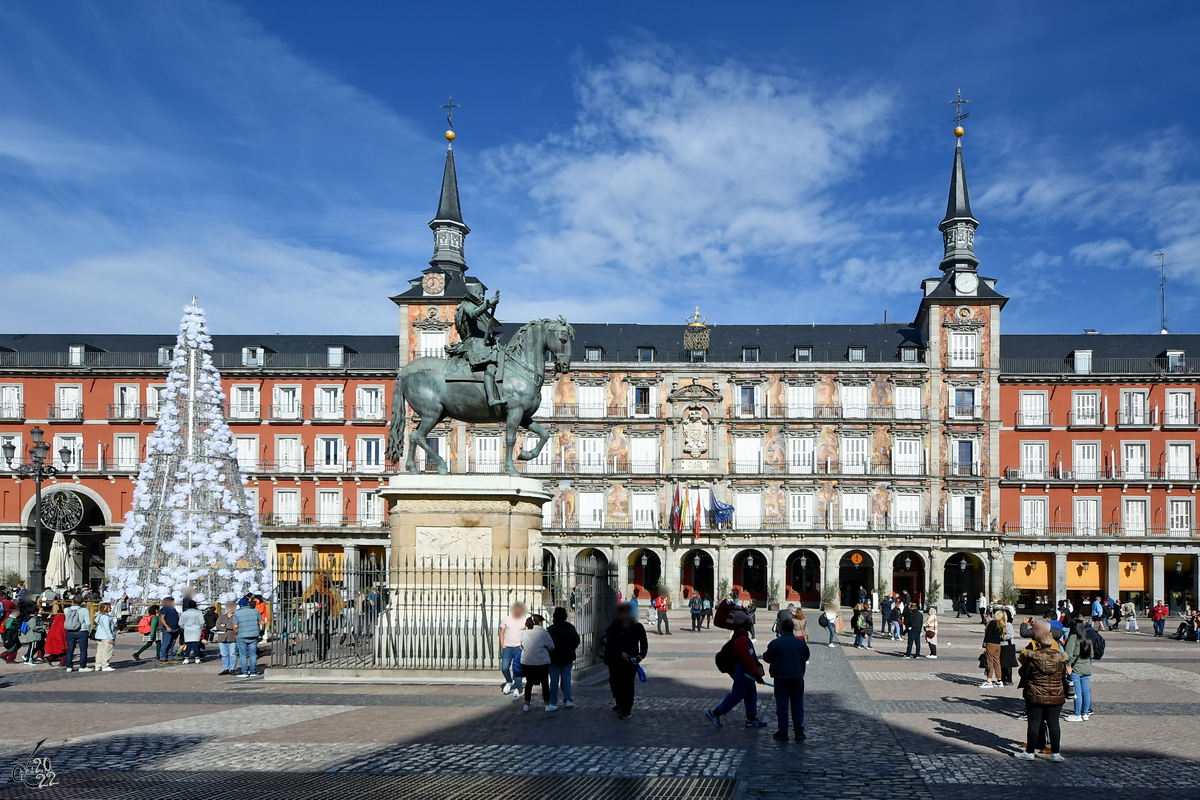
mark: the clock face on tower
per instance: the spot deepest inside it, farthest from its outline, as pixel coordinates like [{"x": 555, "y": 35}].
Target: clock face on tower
[{"x": 966, "y": 282}]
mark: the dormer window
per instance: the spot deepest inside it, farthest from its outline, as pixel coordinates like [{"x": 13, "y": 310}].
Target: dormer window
[
  {"x": 335, "y": 356},
  {"x": 75, "y": 355},
  {"x": 166, "y": 354},
  {"x": 1082, "y": 359},
  {"x": 645, "y": 354},
  {"x": 857, "y": 354},
  {"x": 252, "y": 356},
  {"x": 802, "y": 353},
  {"x": 593, "y": 354},
  {"x": 697, "y": 356},
  {"x": 908, "y": 355},
  {"x": 1175, "y": 361},
  {"x": 750, "y": 355}
]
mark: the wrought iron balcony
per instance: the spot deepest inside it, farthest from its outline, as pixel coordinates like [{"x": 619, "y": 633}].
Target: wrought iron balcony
[
  {"x": 12, "y": 412},
  {"x": 1051, "y": 530},
  {"x": 70, "y": 412}
]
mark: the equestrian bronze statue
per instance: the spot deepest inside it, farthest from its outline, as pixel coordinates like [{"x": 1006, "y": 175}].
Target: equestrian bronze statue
[{"x": 480, "y": 381}]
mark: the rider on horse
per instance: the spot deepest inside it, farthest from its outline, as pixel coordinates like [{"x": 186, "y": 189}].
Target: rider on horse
[{"x": 474, "y": 319}]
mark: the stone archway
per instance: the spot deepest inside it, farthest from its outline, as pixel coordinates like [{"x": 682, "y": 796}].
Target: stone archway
[
  {"x": 908, "y": 575},
  {"x": 750, "y": 571},
  {"x": 697, "y": 573},
  {"x": 964, "y": 572},
  {"x": 856, "y": 569},
  {"x": 803, "y": 578},
  {"x": 645, "y": 574}
]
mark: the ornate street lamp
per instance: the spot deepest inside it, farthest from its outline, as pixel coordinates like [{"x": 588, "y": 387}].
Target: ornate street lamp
[
  {"x": 1133, "y": 566},
  {"x": 1085, "y": 565},
  {"x": 645, "y": 560},
  {"x": 1033, "y": 565},
  {"x": 750, "y": 561},
  {"x": 908, "y": 562},
  {"x": 803, "y": 562},
  {"x": 39, "y": 470},
  {"x": 696, "y": 561},
  {"x": 1178, "y": 567},
  {"x": 962, "y": 565}
]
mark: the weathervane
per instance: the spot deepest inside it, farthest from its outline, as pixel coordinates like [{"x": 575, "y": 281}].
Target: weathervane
[
  {"x": 450, "y": 106},
  {"x": 959, "y": 116}
]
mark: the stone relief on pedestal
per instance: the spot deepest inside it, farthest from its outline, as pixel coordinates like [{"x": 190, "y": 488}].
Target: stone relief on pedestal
[{"x": 454, "y": 543}]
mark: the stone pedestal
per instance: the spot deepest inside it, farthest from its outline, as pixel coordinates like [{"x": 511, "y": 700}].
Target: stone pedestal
[{"x": 465, "y": 517}]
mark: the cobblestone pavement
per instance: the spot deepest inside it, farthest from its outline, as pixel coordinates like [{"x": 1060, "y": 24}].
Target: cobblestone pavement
[{"x": 878, "y": 725}]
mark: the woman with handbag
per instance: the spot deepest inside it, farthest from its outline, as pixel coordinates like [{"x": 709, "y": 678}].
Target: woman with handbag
[
  {"x": 1043, "y": 668},
  {"x": 931, "y": 630},
  {"x": 1008, "y": 650}
]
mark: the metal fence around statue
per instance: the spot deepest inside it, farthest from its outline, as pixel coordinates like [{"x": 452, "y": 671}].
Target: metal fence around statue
[{"x": 425, "y": 614}]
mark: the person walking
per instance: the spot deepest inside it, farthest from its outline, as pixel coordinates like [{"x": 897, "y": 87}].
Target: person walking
[
  {"x": 1078, "y": 651},
  {"x": 745, "y": 671},
  {"x": 536, "y": 644},
  {"x": 562, "y": 658},
  {"x": 1043, "y": 668},
  {"x": 1129, "y": 615},
  {"x": 1097, "y": 613},
  {"x": 863, "y": 626},
  {"x": 800, "y": 623},
  {"x": 77, "y": 622},
  {"x": 788, "y": 656},
  {"x": 708, "y": 612},
  {"x": 191, "y": 624},
  {"x": 829, "y": 619},
  {"x": 511, "y": 628},
  {"x": 993, "y": 637},
  {"x": 35, "y": 634},
  {"x": 247, "y": 625},
  {"x": 224, "y": 632},
  {"x": 106, "y": 638},
  {"x": 931, "y": 632},
  {"x": 150, "y": 636},
  {"x": 914, "y": 621},
  {"x": 696, "y": 607},
  {"x": 168, "y": 624},
  {"x": 625, "y": 647},
  {"x": 981, "y": 606},
  {"x": 894, "y": 615},
  {"x": 1159, "y": 616},
  {"x": 661, "y": 603},
  {"x": 963, "y": 606},
  {"x": 11, "y": 635}
]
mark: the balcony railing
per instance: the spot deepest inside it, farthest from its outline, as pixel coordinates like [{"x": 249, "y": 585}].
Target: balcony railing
[
  {"x": 325, "y": 412},
  {"x": 1174, "y": 418},
  {"x": 127, "y": 412},
  {"x": 281, "y": 520},
  {"x": 965, "y": 412},
  {"x": 750, "y": 524},
  {"x": 289, "y": 466},
  {"x": 1100, "y": 366},
  {"x": 832, "y": 412},
  {"x": 1034, "y": 419},
  {"x": 1066, "y": 529},
  {"x": 765, "y": 355},
  {"x": 104, "y": 465},
  {"x": 1108, "y": 473},
  {"x": 829, "y": 466},
  {"x": 243, "y": 412},
  {"x": 70, "y": 412},
  {"x": 1086, "y": 419},
  {"x": 954, "y": 470},
  {"x": 12, "y": 412},
  {"x": 286, "y": 413},
  {"x": 595, "y": 411},
  {"x": 152, "y": 360},
  {"x": 1137, "y": 418},
  {"x": 964, "y": 361},
  {"x": 373, "y": 413}
]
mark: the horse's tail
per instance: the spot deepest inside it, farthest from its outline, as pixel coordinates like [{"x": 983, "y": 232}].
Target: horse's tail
[{"x": 398, "y": 429}]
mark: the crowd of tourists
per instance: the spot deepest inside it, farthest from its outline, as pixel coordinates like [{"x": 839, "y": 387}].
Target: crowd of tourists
[{"x": 62, "y": 630}]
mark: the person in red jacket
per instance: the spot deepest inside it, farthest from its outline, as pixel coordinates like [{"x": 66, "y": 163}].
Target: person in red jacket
[
  {"x": 1159, "y": 615},
  {"x": 747, "y": 674}
]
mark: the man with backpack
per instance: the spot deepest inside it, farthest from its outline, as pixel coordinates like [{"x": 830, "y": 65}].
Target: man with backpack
[
  {"x": 788, "y": 656},
  {"x": 78, "y": 624},
  {"x": 738, "y": 660},
  {"x": 696, "y": 606}
]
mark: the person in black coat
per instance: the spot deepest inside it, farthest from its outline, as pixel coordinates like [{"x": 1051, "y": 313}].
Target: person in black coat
[
  {"x": 625, "y": 647},
  {"x": 562, "y": 658},
  {"x": 914, "y": 621}
]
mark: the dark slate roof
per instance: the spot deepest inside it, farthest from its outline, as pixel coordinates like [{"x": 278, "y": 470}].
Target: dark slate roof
[
  {"x": 945, "y": 288},
  {"x": 448, "y": 208},
  {"x": 456, "y": 286},
  {"x": 958, "y": 205},
  {"x": 224, "y": 343},
  {"x": 621, "y": 341},
  {"x": 1102, "y": 345}
]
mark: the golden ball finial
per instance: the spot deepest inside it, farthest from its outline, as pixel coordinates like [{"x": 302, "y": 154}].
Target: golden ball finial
[
  {"x": 959, "y": 131},
  {"x": 449, "y": 136}
]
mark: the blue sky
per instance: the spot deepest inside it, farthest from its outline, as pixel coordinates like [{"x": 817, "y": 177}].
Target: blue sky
[{"x": 618, "y": 161}]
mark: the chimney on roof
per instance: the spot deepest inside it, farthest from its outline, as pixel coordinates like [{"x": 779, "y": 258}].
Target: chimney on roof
[{"x": 1091, "y": 331}]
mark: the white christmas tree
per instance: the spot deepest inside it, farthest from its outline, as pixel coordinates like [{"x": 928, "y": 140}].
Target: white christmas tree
[{"x": 192, "y": 526}]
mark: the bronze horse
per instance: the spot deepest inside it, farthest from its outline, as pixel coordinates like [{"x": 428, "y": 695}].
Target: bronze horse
[{"x": 439, "y": 388}]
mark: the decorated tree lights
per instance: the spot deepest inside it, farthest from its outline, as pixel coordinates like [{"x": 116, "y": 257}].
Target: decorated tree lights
[{"x": 192, "y": 529}]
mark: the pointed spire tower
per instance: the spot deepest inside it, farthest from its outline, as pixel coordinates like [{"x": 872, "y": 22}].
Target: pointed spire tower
[
  {"x": 449, "y": 230},
  {"x": 192, "y": 529},
  {"x": 958, "y": 228}
]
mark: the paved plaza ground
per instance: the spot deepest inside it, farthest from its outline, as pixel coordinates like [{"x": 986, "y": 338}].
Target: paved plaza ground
[{"x": 879, "y": 727}]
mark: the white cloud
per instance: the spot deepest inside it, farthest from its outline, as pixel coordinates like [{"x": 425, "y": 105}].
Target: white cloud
[{"x": 684, "y": 182}]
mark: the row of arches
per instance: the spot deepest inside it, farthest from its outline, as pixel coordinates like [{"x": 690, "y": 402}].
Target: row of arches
[{"x": 804, "y": 574}]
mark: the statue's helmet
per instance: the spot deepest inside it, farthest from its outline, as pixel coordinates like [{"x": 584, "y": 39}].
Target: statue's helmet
[{"x": 475, "y": 291}]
